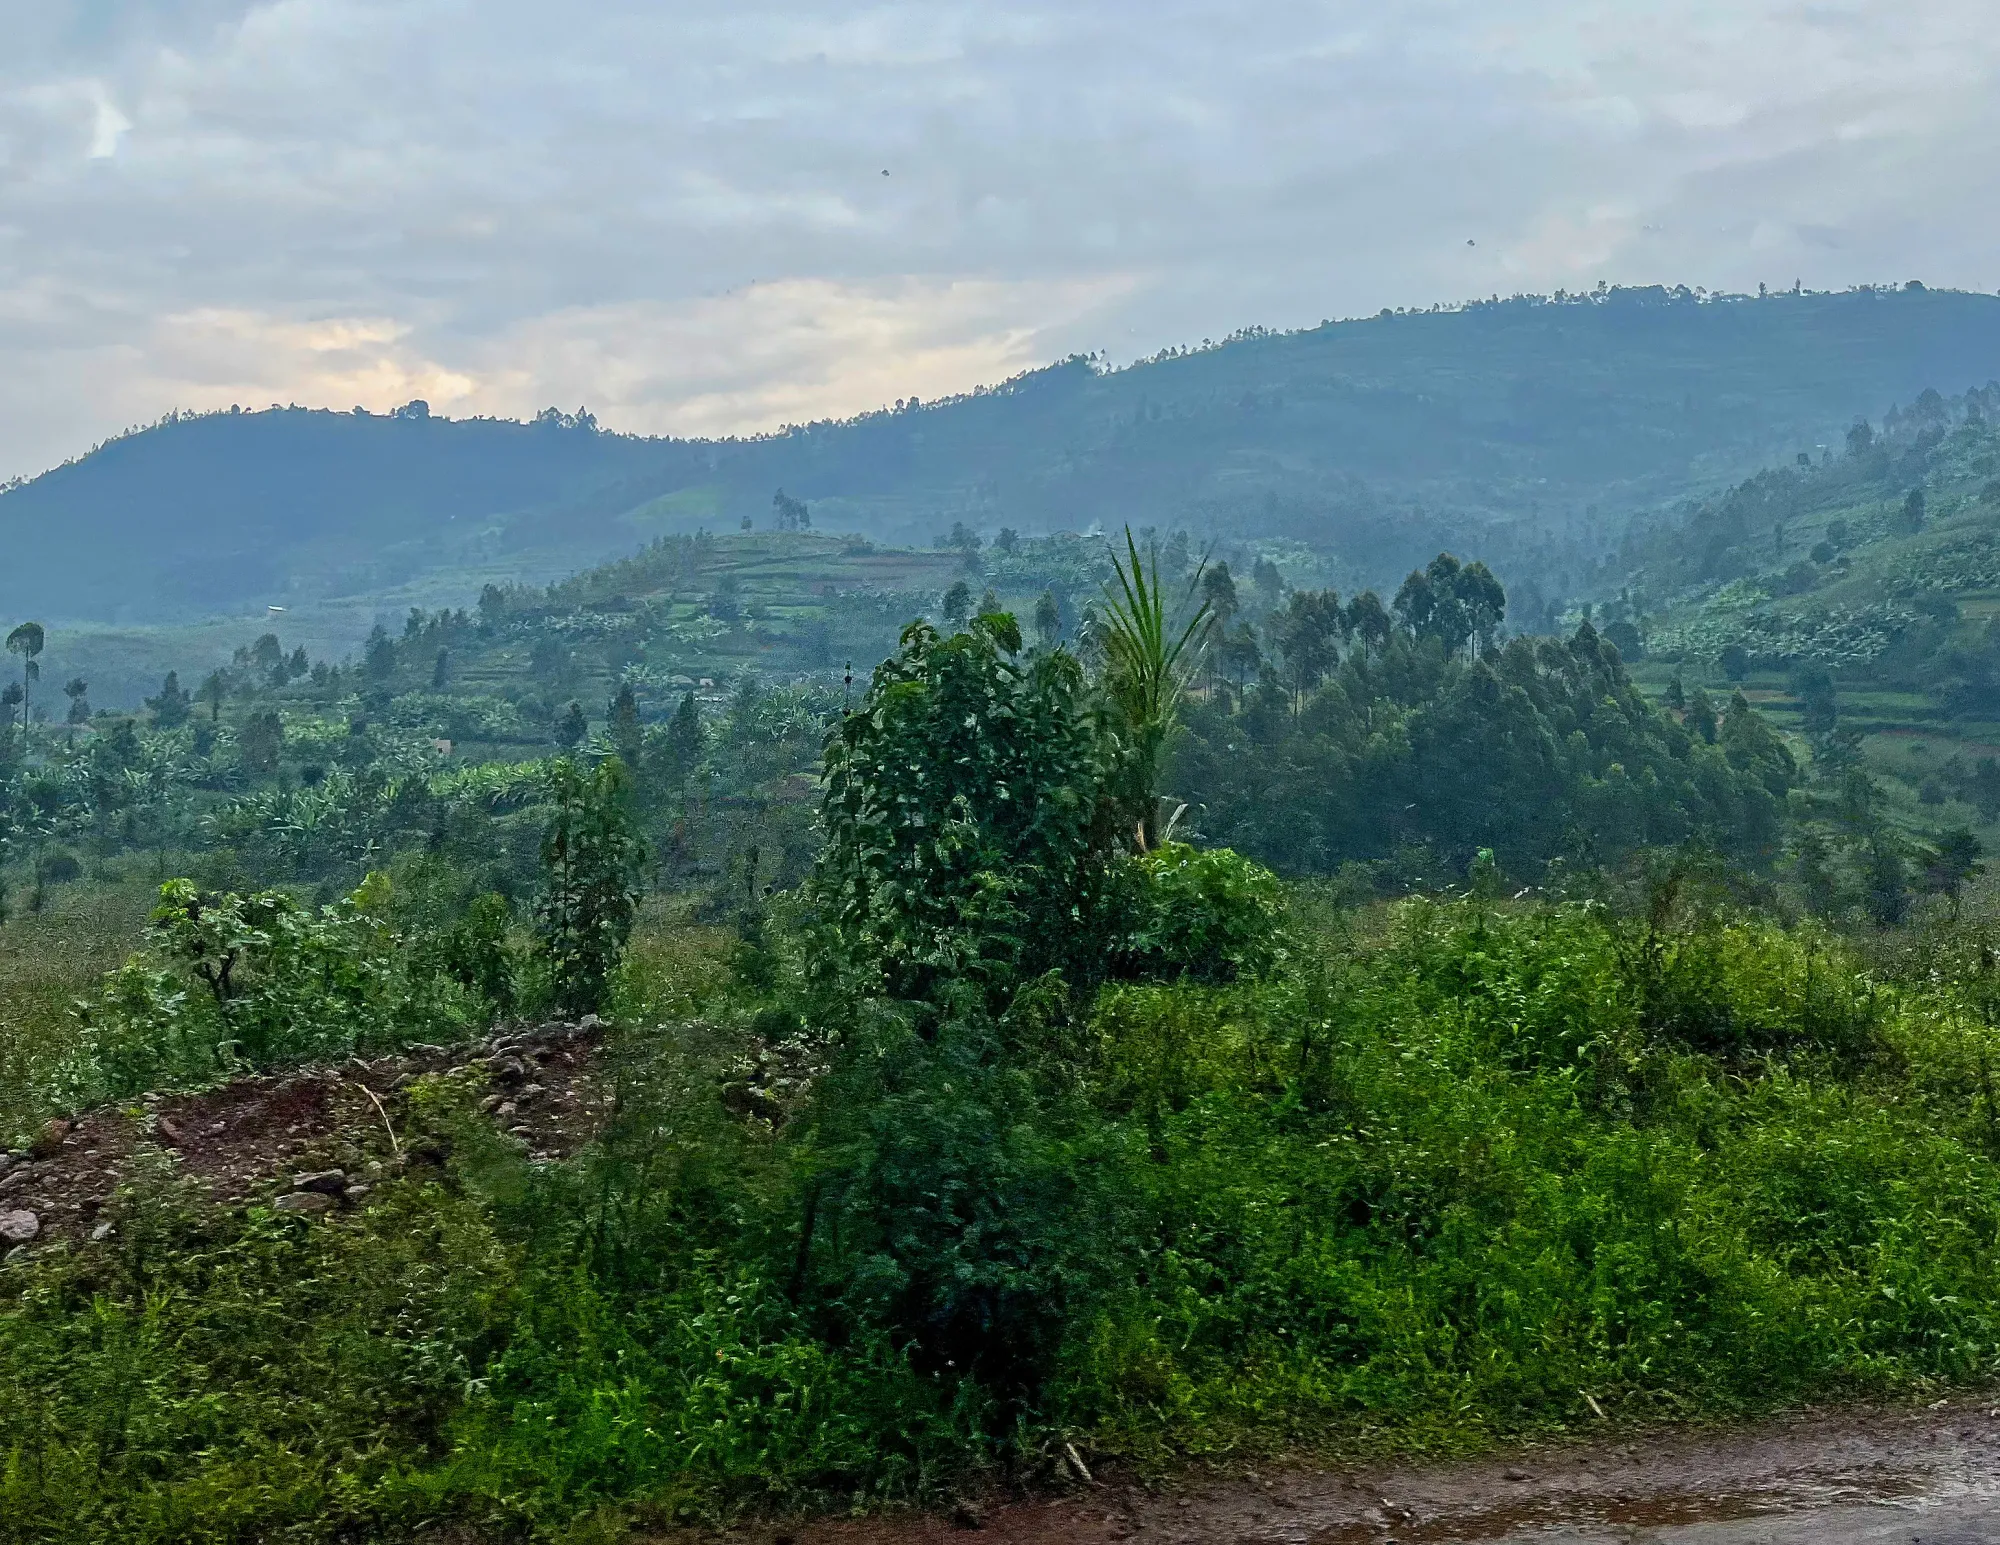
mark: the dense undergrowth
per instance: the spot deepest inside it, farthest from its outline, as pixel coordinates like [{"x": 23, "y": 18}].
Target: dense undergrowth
[{"x": 1450, "y": 1183}]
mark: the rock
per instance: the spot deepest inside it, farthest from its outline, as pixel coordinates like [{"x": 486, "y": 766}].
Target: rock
[
  {"x": 303, "y": 1202},
  {"x": 17, "y": 1228},
  {"x": 14, "y": 1180},
  {"x": 589, "y": 1022},
  {"x": 505, "y": 1108},
  {"x": 328, "y": 1182},
  {"x": 1513, "y": 1473},
  {"x": 102, "y": 1232},
  {"x": 6, "y": 1162},
  {"x": 492, "y": 1103},
  {"x": 51, "y": 1137},
  {"x": 357, "y": 1194},
  {"x": 967, "y": 1514},
  {"x": 166, "y": 1128},
  {"x": 507, "y": 1069},
  {"x": 528, "y": 1092},
  {"x": 521, "y": 1131}
]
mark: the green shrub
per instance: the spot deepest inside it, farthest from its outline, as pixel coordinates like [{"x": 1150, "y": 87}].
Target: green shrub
[{"x": 1207, "y": 916}]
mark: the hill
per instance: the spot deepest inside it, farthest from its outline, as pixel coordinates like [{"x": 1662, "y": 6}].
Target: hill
[{"x": 1524, "y": 429}]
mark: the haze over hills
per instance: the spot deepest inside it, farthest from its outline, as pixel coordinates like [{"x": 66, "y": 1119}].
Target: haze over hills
[{"x": 1526, "y": 430}]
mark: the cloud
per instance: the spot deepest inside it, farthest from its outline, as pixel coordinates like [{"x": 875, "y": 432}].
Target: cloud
[{"x": 677, "y": 213}]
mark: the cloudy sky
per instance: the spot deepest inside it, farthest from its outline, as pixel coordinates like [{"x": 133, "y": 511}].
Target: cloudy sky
[{"x": 704, "y": 218}]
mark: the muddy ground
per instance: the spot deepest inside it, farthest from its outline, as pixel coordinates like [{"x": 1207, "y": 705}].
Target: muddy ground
[{"x": 1926, "y": 1477}]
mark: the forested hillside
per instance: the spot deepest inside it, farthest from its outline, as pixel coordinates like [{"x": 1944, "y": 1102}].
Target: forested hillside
[{"x": 1524, "y": 430}]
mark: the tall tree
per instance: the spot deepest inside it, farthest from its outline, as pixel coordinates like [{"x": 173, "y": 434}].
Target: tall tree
[{"x": 26, "y": 641}]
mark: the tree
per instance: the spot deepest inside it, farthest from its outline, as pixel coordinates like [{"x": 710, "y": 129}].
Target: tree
[
  {"x": 1949, "y": 865},
  {"x": 622, "y": 725},
  {"x": 1676, "y": 694},
  {"x": 378, "y": 655},
  {"x": 1048, "y": 620},
  {"x": 26, "y": 641},
  {"x": 1269, "y": 581},
  {"x": 1308, "y": 634},
  {"x": 966, "y": 818},
  {"x": 1913, "y": 510},
  {"x": 76, "y": 689},
  {"x": 957, "y": 604},
  {"x": 591, "y": 859},
  {"x": 571, "y": 727},
  {"x": 790, "y": 514},
  {"x": 685, "y": 736},
  {"x": 1008, "y": 541},
  {"x": 212, "y": 692},
  {"x": 1368, "y": 620},
  {"x": 261, "y": 742},
  {"x": 441, "y": 671},
  {"x": 172, "y": 706},
  {"x": 1735, "y": 661},
  {"x": 1701, "y": 715},
  {"x": 1885, "y": 893},
  {"x": 1818, "y": 712},
  {"x": 1218, "y": 594}
]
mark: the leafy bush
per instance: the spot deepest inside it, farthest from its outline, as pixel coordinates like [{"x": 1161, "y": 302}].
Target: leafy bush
[
  {"x": 248, "y": 980},
  {"x": 1207, "y": 916}
]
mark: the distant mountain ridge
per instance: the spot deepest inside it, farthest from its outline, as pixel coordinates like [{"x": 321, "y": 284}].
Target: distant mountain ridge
[{"x": 1526, "y": 429}]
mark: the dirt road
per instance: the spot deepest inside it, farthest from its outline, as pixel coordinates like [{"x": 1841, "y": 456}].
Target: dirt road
[{"x": 1928, "y": 1477}]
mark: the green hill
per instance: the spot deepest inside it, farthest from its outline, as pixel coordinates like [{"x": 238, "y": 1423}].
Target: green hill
[{"x": 1523, "y": 429}]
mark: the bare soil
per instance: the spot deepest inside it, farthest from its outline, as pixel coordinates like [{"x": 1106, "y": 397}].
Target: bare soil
[{"x": 254, "y": 1138}]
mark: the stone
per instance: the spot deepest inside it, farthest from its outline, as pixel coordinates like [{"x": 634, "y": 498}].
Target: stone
[
  {"x": 492, "y": 1103},
  {"x": 521, "y": 1131},
  {"x": 303, "y": 1202},
  {"x": 528, "y": 1092},
  {"x": 17, "y": 1228},
  {"x": 357, "y": 1194},
  {"x": 50, "y": 1138},
  {"x": 507, "y": 1069},
  {"x": 102, "y": 1232},
  {"x": 967, "y": 1514},
  {"x": 329, "y": 1182}
]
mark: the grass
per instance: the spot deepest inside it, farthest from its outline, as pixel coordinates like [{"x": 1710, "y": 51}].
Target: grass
[
  {"x": 48, "y": 961},
  {"x": 1449, "y": 1171}
]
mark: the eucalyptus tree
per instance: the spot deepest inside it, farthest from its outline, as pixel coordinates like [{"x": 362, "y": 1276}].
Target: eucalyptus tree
[{"x": 26, "y": 641}]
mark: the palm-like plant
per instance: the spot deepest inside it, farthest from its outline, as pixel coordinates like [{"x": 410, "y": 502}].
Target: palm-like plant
[
  {"x": 1148, "y": 664},
  {"x": 26, "y": 641}
]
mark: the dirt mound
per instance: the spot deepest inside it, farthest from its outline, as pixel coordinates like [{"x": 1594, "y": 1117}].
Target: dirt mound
[{"x": 308, "y": 1138}]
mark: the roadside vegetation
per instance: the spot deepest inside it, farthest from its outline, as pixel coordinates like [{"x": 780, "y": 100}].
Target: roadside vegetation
[{"x": 981, "y": 1117}]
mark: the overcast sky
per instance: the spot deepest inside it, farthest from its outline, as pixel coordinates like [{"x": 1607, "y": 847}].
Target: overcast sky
[{"x": 705, "y": 218}]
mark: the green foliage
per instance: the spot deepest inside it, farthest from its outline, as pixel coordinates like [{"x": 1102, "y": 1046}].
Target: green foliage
[
  {"x": 965, "y": 832},
  {"x": 591, "y": 858},
  {"x": 1200, "y": 916},
  {"x": 1542, "y": 749},
  {"x": 235, "y": 980},
  {"x": 1150, "y": 656}
]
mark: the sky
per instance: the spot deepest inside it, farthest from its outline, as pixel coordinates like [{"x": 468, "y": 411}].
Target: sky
[{"x": 718, "y": 218}]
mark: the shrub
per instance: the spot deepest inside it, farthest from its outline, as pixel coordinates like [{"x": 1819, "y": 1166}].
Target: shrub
[{"x": 1207, "y": 916}]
